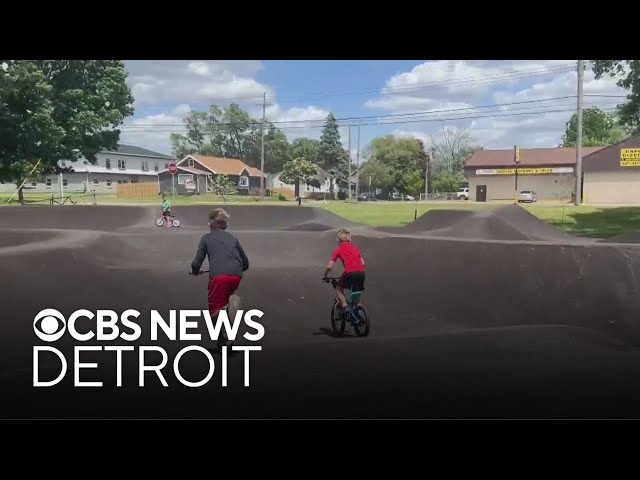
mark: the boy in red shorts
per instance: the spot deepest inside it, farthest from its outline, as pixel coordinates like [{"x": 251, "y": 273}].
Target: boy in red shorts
[
  {"x": 353, "y": 276},
  {"x": 227, "y": 263}
]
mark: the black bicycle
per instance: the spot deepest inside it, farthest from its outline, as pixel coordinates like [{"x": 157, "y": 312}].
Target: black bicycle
[{"x": 358, "y": 316}]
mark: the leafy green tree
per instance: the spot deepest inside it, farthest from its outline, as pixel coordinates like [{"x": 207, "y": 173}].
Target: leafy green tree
[
  {"x": 395, "y": 162},
  {"x": 305, "y": 147},
  {"x": 628, "y": 72},
  {"x": 52, "y": 110},
  {"x": 447, "y": 182},
  {"x": 298, "y": 170},
  {"x": 232, "y": 133},
  {"x": 599, "y": 128},
  {"x": 222, "y": 185}
]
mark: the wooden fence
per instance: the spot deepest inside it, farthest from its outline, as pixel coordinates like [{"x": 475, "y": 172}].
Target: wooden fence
[{"x": 138, "y": 190}]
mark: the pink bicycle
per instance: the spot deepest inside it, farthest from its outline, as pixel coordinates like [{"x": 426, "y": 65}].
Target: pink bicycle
[{"x": 167, "y": 221}]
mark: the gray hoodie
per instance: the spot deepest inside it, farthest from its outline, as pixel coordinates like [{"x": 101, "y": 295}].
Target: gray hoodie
[{"x": 226, "y": 256}]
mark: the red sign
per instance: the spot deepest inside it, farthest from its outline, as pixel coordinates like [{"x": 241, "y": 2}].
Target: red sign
[{"x": 173, "y": 168}]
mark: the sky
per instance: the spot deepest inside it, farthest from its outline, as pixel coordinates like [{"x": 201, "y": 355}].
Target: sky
[{"x": 499, "y": 104}]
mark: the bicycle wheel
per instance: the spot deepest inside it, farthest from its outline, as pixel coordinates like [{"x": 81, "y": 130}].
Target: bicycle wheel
[
  {"x": 176, "y": 222},
  {"x": 159, "y": 222},
  {"x": 337, "y": 319},
  {"x": 361, "y": 327}
]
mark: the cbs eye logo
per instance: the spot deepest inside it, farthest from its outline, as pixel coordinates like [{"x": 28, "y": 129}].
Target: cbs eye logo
[{"x": 49, "y": 325}]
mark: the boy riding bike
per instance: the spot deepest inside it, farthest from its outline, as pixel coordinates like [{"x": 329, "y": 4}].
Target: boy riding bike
[
  {"x": 353, "y": 263},
  {"x": 227, "y": 263}
]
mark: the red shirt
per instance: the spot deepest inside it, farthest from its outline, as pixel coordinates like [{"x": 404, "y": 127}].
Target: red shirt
[{"x": 350, "y": 256}]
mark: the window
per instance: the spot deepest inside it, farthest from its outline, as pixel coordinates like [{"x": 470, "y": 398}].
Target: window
[
  {"x": 63, "y": 163},
  {"x": 122, "y": 165},
  {"x": 65, "y": 182},
  {"x": 155, "y": 167},
  {"x": 191, "y": 163},
  {"x": 166, "y": 165},
  {"x": 119, "y": 181},
  {"x": 48, "y": 182},
  {"x": 243, "y": 182},
  {"x": 107, "y": 163},
  {"x": 108, "y": 182},
  {"x": 34, "y": 183},
  {"x": 183, "y": 177},
  {"x": 145, "y": 166},
  {"x": 96, "y": 181}
]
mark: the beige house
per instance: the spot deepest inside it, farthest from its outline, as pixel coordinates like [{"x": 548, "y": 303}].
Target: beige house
[
  {"x": 612, "y": 174},
  {"x": 550, "y": 172}
]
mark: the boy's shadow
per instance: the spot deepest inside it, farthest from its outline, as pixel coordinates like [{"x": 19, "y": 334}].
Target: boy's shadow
[
  {"x": 330, "y": 333},
  {"x": 218, "y": 351}
]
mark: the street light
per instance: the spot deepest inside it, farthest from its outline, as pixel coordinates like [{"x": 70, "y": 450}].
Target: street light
[{"x": 516, "y": 160}]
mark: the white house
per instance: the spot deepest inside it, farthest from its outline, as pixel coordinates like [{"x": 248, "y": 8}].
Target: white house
[
  {"x": 127, "y": 164},
  {"x": 324, "y": 181}
]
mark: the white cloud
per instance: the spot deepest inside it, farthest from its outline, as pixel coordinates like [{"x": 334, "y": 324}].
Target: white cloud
[
  {"x": 180, "y": 81},
  {"x": 153, "y": 131},
  {"x": 528, "y": 121}
]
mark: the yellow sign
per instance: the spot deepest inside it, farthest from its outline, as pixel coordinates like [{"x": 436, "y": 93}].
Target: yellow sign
[
  {"x": 524, "y": 171},
  {"x": 630, "y": 157}
]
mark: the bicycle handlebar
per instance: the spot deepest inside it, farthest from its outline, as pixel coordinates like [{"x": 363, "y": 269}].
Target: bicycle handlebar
[{"x": 201, "y": 271}]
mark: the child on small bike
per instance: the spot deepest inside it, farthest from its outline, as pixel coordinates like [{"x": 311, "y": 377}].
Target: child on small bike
[
  {"x": 353, "y": 276},
  {"x": 166, "y": 206}
]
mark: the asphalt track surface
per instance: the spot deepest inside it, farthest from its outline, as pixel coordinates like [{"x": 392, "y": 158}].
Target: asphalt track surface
[{"x": 481, "y": 315}]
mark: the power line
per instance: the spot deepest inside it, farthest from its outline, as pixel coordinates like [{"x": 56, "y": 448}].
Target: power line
[{"x": 382, "y": 116}]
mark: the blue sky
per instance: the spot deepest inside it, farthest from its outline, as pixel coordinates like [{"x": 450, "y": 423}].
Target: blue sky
[{"x": 498, "y": 104}]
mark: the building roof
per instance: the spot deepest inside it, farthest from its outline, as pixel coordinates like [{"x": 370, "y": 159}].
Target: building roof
[
  {"x": 195, "y": 171},
  {"x": 133, "y": 150},
  {"x": 226, "y": 166},
  {"x": 608, "y": 158},
  {"x": 528, "y": 157}
]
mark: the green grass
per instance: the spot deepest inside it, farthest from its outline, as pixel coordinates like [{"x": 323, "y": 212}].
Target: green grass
[{"x": 586, "y": 221}]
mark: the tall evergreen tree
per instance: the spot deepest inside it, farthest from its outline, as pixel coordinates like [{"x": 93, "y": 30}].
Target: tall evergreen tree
[{"x": 331, "y": 156}]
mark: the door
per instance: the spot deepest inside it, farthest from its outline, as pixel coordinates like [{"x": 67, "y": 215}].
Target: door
[{"x": 481, "y": 193}]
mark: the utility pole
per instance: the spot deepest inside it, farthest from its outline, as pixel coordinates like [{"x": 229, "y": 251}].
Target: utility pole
[
  {"x": 426, "y": 177},
  {"x": 264, "y": 121},
  {"x": 349, "y": 160},
  {"x": 578, "y": 193},
  {"x": 358, "y": 162}
]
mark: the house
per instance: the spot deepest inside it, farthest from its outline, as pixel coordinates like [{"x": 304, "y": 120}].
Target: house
[
  {"x": 612, "y": 174},
  {"x": 202, "y": 171},
  {"x": 125, "y": 164},
  {"x": 550, "y": 172},
  {"x": 320, "y": 184}
]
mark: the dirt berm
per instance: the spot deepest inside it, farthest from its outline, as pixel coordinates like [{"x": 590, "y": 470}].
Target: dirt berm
[
  {"x": 431, "y": 220},
  {"x": 509, "y": 222}
]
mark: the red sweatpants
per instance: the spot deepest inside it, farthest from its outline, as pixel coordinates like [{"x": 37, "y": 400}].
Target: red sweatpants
[{"x": 221, "y": 287}]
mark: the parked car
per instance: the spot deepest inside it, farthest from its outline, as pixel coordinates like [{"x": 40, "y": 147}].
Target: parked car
[
  {"x": 527, "y": 196},
  {"x": 367, "y": 197},
  {"x": 462, "y": 194}
]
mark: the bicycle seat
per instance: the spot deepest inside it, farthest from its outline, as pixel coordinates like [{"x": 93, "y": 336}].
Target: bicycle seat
[{"x": 355, "y": 296}]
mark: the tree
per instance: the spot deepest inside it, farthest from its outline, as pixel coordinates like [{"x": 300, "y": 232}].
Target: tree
[
  {"x": 331, "y": 156},
  {"x": 629, "y": 73},
  {"x": 598, "y": 129},
  {"x": 453, "y": 151},
  {"x": 298, "y": 170},
  {"x": 378, "y": 173},
  {"x": 414, "y": 183},
  {"x": 223, "y": 185},
  {"x": 52, "y": 110},
  {"x": 305, "y": 147},
  {"x": 232, "y": 133},
  {"x": 447, "y": 182},
  {"x": 395, "y": 162}
]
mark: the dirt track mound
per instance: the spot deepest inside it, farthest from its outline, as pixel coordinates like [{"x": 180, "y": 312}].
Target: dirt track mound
[
  {"x": 431, "y": 220},
  {"x": 264, "y": 217},
  {"x": 510, "y": 223},
  {"x": 76, "y": 217},
  {"x": 10, "y": 238}
]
